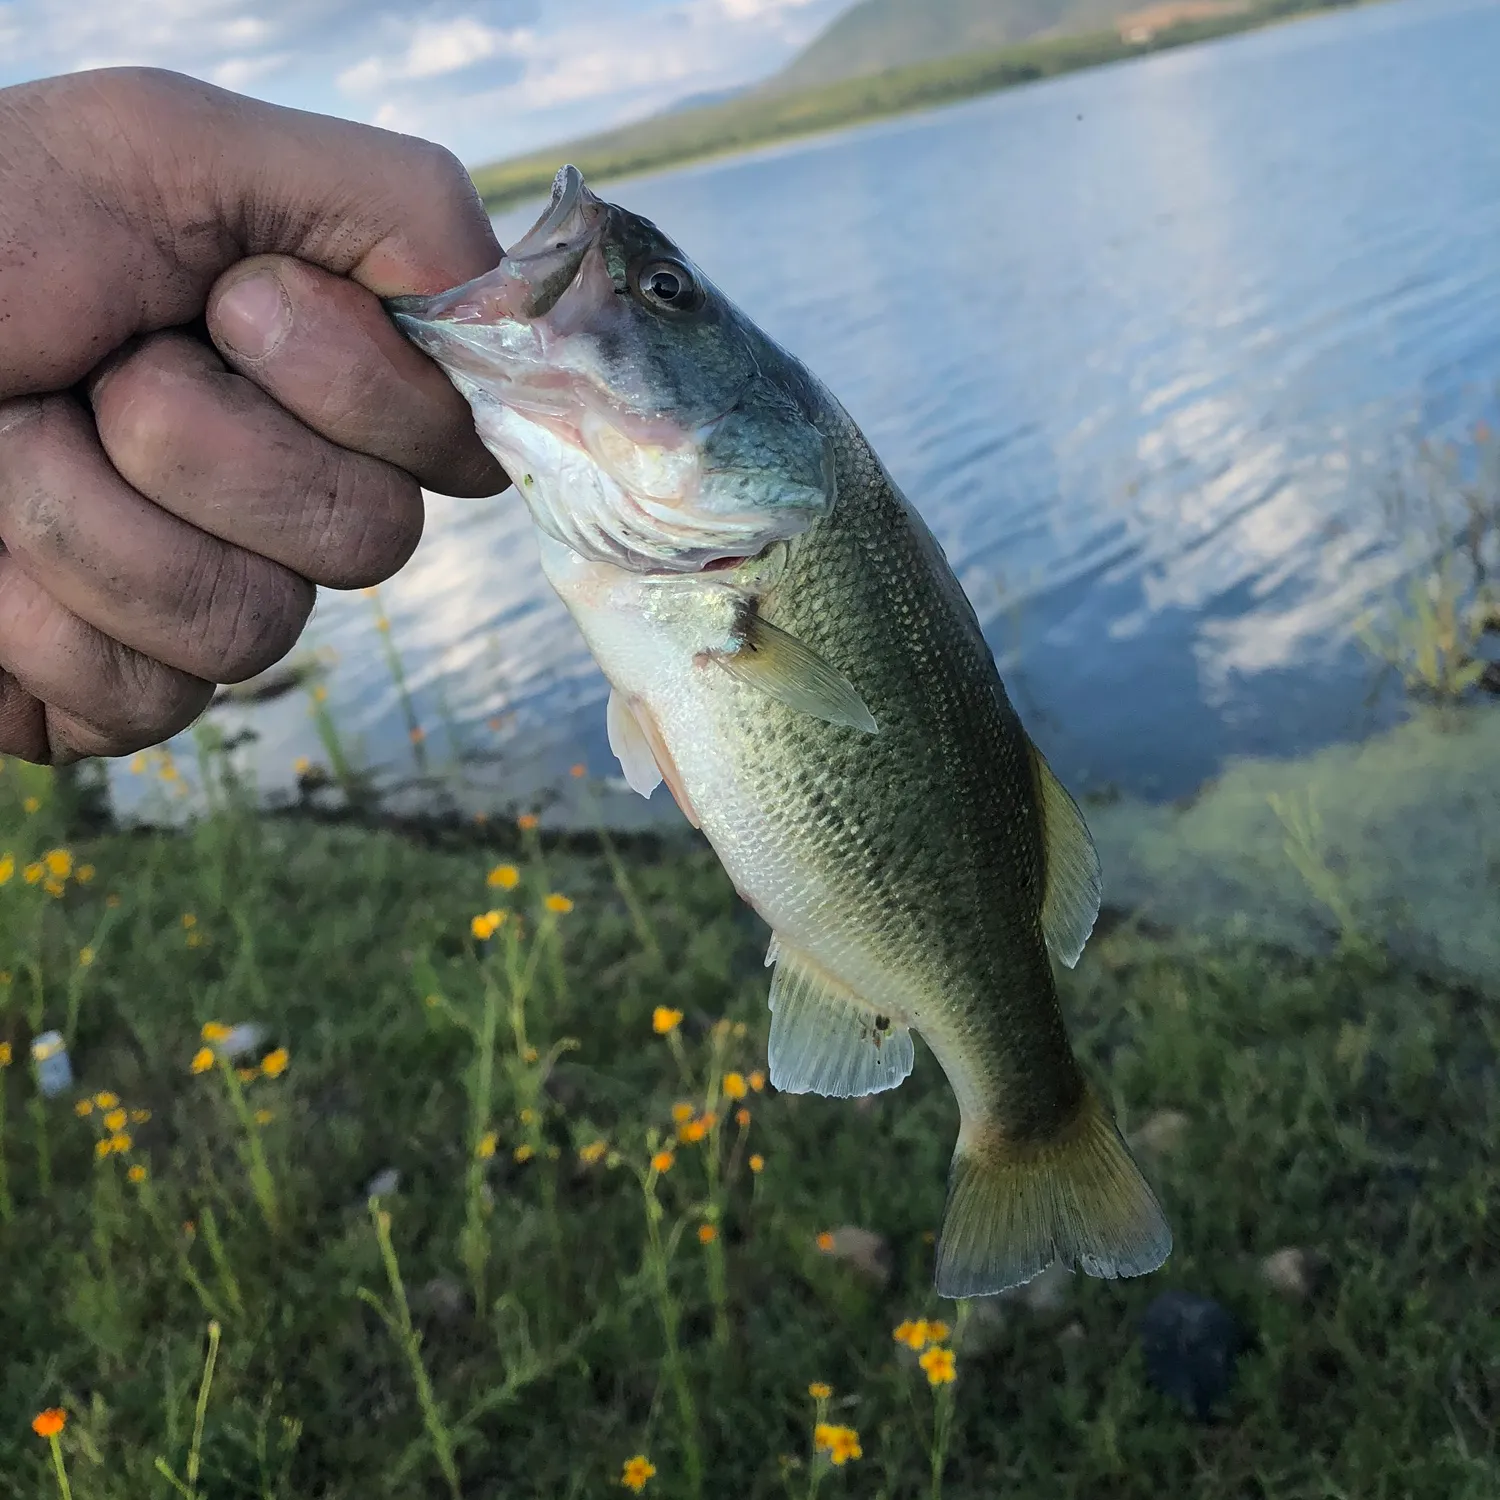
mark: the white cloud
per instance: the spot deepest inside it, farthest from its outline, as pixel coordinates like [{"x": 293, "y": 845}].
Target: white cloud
[{"x": 485, "y": 77}]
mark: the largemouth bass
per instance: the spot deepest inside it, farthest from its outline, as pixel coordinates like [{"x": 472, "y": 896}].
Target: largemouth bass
[{"x": 788, "y": 648}]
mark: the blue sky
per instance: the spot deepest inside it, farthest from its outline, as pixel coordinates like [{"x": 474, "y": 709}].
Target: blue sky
[{"x": 485, "y": 77}]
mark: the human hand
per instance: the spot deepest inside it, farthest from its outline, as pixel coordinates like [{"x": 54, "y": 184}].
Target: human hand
[{"x": 167, "y": 504}]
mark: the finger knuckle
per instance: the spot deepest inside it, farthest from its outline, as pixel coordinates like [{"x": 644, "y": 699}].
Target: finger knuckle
[
  {"x": 245, "y": 612},
  {"x": 365, "y": 522}
]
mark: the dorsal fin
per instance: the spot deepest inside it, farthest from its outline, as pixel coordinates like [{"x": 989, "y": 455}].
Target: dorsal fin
[
  {"x": 1074, "y": 887},
  {"x": 824, "y": 1039}
]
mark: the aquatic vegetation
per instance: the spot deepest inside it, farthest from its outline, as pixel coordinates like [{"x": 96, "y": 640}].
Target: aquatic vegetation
[{"x": 1444, "y": 505}]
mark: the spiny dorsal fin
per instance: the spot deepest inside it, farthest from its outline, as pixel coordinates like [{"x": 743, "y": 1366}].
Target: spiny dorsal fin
[
  {"x": 628, "y": 740},
  {"x": 1070, "y": 903},
  {"x": 780, "y": 665},
  {"x": 826, "y": 1041}
]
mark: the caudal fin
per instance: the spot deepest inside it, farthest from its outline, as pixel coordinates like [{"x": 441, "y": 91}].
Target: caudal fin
[{"x": 1013, "y": 1209}]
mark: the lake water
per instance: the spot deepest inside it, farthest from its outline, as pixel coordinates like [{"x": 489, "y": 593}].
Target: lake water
[{"x": 1139, "y": 343}]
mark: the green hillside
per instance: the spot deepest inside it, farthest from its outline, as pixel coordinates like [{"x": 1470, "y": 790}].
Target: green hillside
[
  {"x": 768, "y": 115},
  {"x": 875, "y": 35}
]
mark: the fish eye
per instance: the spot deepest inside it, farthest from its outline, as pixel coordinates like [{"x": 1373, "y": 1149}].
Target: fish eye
[{"x": 666, "y": 283}]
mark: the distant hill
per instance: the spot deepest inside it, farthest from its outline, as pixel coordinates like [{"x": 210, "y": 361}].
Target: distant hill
[{"x": 875, "y": 35}]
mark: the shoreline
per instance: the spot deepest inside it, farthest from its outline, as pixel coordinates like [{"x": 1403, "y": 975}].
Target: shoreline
[{"x": 761, "y": 119}]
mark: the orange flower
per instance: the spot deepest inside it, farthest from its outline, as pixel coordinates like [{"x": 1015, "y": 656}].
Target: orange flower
[
  {"x": 578, "y": 772},
  {"x": 742, "y": 1118},
  {"x": 757, "y": 1080},
  {"x": 637, "y": 1472},
  {"x": 939, "y": 1366},
  {"x": 839, "y": 1443},
  {"x": 47, "y": 1424},
  {"x": 527, "y": 821},
  {"x": 484, "y": 925},
  {"x": 137, "y": 1173},
  {"x": 665, "y": 1019},
  {"x": 593, "y": 1152},
  {"x": 825, "y": 1242},
  {"x": 735, "y": 1085},
  {"x": 215, "y": 1031},
  {"x": 203, "y": 1060},
  {"x": 558, "y": 905},
  {"x": 820, "y": 1390},
  {"x": 274, "y": 1064},
  {"x": 757, "y": 1163},
  {"x": 506, "y": 877},
  {"x": 662, "y": 1161},
  {"x": 682, "y": 1113},
  {"x": 707, "y": 1234}
]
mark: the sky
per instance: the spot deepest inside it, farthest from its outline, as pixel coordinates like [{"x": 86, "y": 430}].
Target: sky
[{"x": 487, "y": 78}]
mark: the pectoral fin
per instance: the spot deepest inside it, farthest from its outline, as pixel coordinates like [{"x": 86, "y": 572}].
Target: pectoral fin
[
  {"x": 786, "y": 669},
  {"x": 824, "y": 1039},
  {"x": 628, "y": 740},
  {"x": 1070, "y": 901}
]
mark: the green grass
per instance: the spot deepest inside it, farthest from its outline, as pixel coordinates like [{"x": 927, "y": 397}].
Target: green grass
[
  {"x": 766, "y": 116},
  {"x": 523, "y": 1327}
]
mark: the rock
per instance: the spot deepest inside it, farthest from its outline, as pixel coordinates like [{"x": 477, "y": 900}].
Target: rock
[
  {"x": 1191, "y": 1345},
  {"x": 1163, "y": 1134},
  {"x": 1293, "y": 1272},
  {"x": 443, "y": 1300},
  {"x": 862, "y": 1249},
  {"x": 1047, "y": 1292},
  {"x": 984, "y": 1326}
]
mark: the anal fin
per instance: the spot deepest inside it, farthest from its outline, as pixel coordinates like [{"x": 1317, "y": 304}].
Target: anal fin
[{"x": 824, "y": 1039}]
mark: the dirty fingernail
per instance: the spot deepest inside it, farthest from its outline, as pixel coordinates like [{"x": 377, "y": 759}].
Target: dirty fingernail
[{"x": 253, "y": 316}]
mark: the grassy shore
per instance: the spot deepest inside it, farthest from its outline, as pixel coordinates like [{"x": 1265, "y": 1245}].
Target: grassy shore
[
  {"x": 531, "y": 1303},
  {"x": 766, "y": 116}
]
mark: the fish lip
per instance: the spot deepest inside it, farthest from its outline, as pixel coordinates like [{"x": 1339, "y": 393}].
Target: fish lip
[{"x": 530, "y": 277}]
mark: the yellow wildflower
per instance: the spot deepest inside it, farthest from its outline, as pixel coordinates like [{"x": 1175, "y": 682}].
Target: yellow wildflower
[
  {"x": 106, "y": 1100},
  {"x": 320, "y": 694},
  {"x": 4, "y": 1054},
  {"x": 757, "y": 1080},
  {"x": 637, "y": 1472},
  {"x": 523, "y": 1152},
  {"x": 58, "y": 862},
  {"x": 121, "y": 1141},
  {"x": 819, "y": 1390},
  {"x": 486, "y": 1147},
  {"x": 506, "y": 877},
  {"x": 53, "y": 886},
  {"x": 7, "y": 867},
  {"x": 527, "y": 1116},
  {"x": 215, "y": 1031},
  {"x": 757, "y": 1163},
  {"x": 839, "y": 1443},
  {"x": 529, "y": 1054},
  {"x": 264, "y": 1117},
  {"x": 707, "y": 1234},
  {"x": 47, "y": 1424},
  {"x": 137, "y": 1173},
  {"x": 32, "y": 804},
  {"x": 559, "y": 905},
  {"x": 137, "y": 764},
  {"x": 195, "y": 940},
  {"x": 83, "y": 874},
  {"x": 682, "y": 1113},
  {"x": 578, "y": 772},
  {"x": 139, "y": 1116},
  {"x": 937, "y": 1331},
  {"x": 83, "y": 1108},
  {"x": 742, "y": 1117},
  {"x": 189, "y": 921},
  {"x": 274, "y": 1064},
  {"x": 939, "y": 1366},
  {"x": 247, "y": 1075},
  {"x": 824, "y": 1242},
  {"x": 169, "y": 772},
  {"x": 484, "y": 925},
  {"x": 665, "y": 1019},
  {"x": 102, "y": 1149},
  {"x": 115, "y": 1120},
  {"x": 527, "y": 821},
  {"x": 662, "y": 1161},
  {"x": 112, "y": 901},
  {"x": 203, "y": 1060},
  {"x": 734, "y": 1085},
  {"x": 301, "y": 766},
  {"x": 85, "y": 957},
  {"x": 33, "y": 873},
  {"x": 593, "y": 1152},
  {"x": 912, "y": 1332}
]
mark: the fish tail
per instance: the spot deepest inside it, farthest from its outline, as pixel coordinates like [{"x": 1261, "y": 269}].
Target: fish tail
[{"x": 1015, "y": 1207}]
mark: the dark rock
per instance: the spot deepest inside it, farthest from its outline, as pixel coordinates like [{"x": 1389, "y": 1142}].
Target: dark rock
[{"x": 1191, "y": 1345}]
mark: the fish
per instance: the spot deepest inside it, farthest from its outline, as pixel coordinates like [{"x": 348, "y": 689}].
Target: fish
[{"x": 789, "y": 650}]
